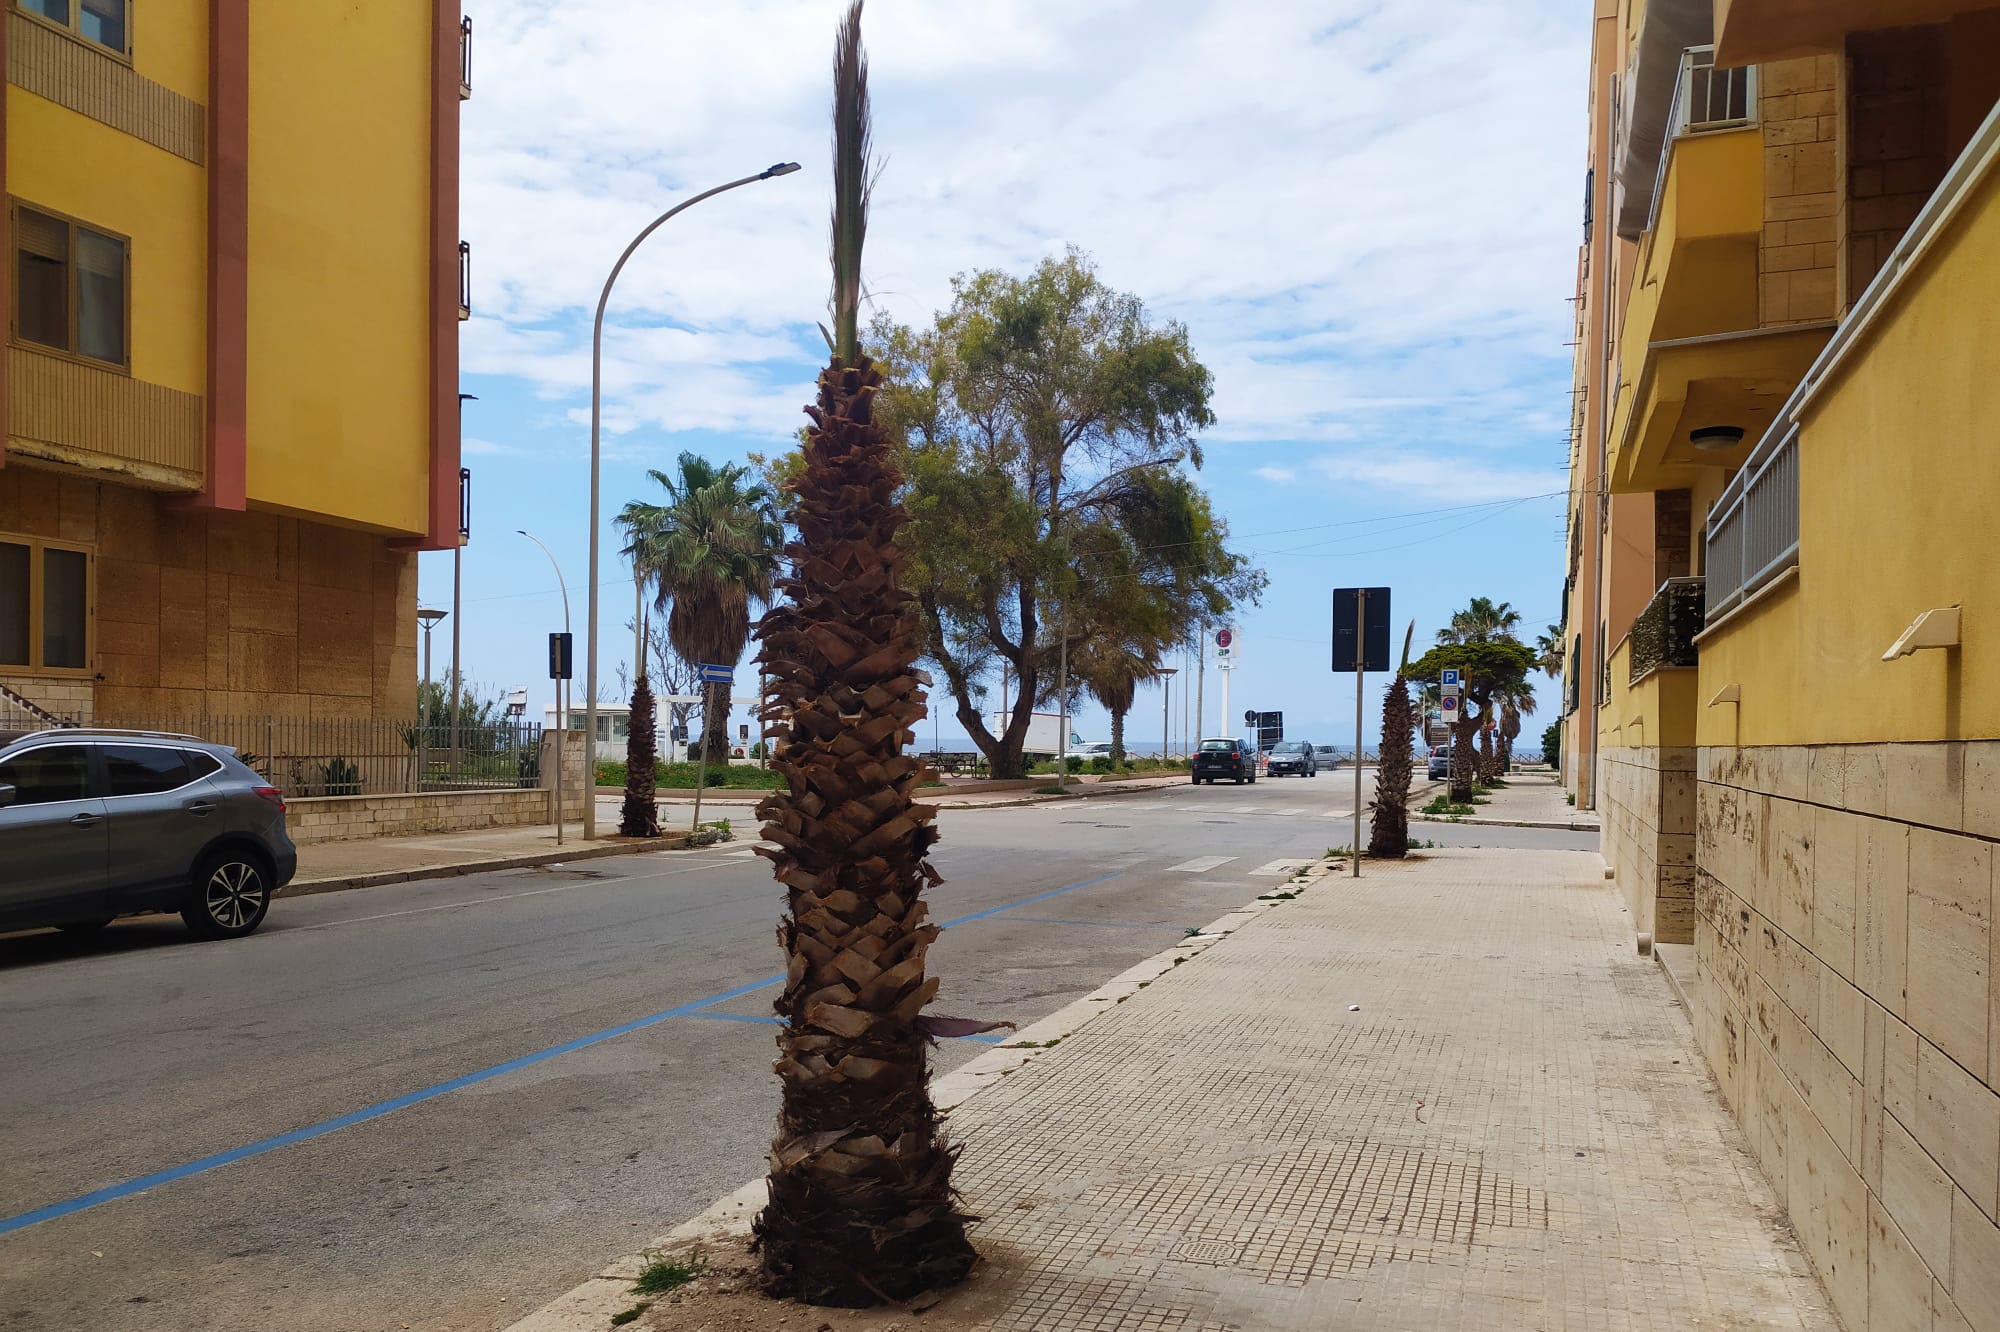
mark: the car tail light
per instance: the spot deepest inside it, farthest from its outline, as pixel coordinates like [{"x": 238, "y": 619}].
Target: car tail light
[{"x": 274, "y": 795}]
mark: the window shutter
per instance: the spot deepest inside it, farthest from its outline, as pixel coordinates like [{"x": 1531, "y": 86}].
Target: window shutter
[{"x": 41, "y": 235}]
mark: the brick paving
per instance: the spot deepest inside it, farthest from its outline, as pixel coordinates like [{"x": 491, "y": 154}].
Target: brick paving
[{"x": 1512, "y": 1131}]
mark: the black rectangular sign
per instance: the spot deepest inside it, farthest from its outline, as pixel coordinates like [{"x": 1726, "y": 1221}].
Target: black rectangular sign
[
  {"x": 1270, "y": 729},
  {"x": 1369, "y": 606},
  {"x": 559, "y": 656}
]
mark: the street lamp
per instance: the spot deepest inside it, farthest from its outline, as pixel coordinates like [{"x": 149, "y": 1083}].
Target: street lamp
[
  {"x": 428, "y": 617},
  {"x": 458, "y": 575},
  {"x": 1167, "y": 674},
  {"x": 596, "y": 399},
  {"x": 562, "y": 709}
]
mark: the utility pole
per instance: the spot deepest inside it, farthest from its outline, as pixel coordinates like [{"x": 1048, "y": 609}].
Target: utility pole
[
  {"x": 1167, "y": 674},
  {"x": 1200, "y": 675},
  {"x": 458, "y": 580}
]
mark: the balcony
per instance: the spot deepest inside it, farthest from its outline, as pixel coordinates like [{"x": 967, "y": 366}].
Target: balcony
[
  {"x": 1663, "y": 635},
  {"x": 465, "y": 59},
  {"x": 1753, "y": 530},
  {"x": 465, "y": 280},
  {"x": 1753, "y": 31},
  {"x": 1693, "y": 354},
  {"x": 64, "y": 411}
]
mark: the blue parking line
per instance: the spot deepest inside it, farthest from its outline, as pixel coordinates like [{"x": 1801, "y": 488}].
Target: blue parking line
[{"x": 85, "y": 1201}]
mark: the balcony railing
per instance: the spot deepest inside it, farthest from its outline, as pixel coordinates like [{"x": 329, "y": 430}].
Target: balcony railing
[
  {"x": 1706, "y": 100},
  {"x": 1663, "y": 635},
  {"x": 465, "y": 58},
  {"x": 1753, "y": 531},
  {"x": 465, "y": 279}
]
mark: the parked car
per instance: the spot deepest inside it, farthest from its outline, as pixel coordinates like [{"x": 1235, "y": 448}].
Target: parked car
[
  {"x": 1094, "y": 749},
  {"x": 96, "y": 824},
  {"x": 1326, "y": 756},
  {"x": 1293, "y": 757},
  {"x": 1440, "y": 764},
  {"x": 1234, "y": 759}
]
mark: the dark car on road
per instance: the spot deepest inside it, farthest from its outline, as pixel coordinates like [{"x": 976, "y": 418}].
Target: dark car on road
[
  {"x": 1440, "y": 764},
  {"x": 1233, "y": 759},
  {"x": 97, "y": 824},
  {"x": 1293, "y": 758}
]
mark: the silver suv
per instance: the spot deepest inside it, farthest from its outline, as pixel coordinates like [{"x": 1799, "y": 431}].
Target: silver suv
[{"x": 96, "y": 824}]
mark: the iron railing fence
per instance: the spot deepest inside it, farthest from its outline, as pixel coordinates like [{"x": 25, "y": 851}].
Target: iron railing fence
[
  {"x": 1707, "y": 99},
  {"x": 1664, "y": 633},
  {"x": 333, "y": 757},
  {"x": 1753, "y": 531}
]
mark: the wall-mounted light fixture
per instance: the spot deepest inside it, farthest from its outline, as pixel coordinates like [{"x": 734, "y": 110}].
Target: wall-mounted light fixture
[
  {"x": 1714, "y": 439},
  {"x": 1933, "y": 629}
]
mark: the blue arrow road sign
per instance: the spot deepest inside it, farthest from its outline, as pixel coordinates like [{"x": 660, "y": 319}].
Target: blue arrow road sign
[{"x": 713, "y": 674}]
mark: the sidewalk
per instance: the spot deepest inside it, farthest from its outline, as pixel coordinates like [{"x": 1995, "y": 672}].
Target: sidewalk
[
  {"x": 1447, "y": 1096},
  {"x": 326, "y": 867},
  {"x": 1528, "y": 800}
]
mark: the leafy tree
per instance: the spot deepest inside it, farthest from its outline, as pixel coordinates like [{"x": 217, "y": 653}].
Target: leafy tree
[
  {"x": 711, "y": 552},
  {"x": 861, "y": 1207},
  {"x": 1047, "y": 425},
  {"x": 1489, "y": 669},
  {"x": 1552, "y": 745},
  {"x": 1389, "y": 827}
]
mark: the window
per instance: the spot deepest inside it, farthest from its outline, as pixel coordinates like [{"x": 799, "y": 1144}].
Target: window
[
  {"x": 102, "y": 22},
  {"x": 137, "y": 770},
  {"x": 201, "y": 764},
  {"x": 44, "y": 606},
  {"x": 51, "y": 773},
  {"x": 71, "y": 281}
]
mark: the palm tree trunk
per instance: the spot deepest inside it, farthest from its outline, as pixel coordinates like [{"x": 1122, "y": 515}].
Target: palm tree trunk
[
  {"x": 640, "y": 815},
  {"x": 1389, "y": 830},
  {"x": 715, "y": 722},
  {"x": 862, "y": 1209},
  {"x": 1486, "y": 772},
  {"x": 1464, "y": 760},
  {"x": 1118, "y": 735}
]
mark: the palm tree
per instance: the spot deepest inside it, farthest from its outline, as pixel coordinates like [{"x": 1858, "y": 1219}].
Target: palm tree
[
  {"x": 1389, "y": 825},
  {"x": 711, "y": 552},
  {"x": 861, "y": 1209},
  {"x": 1482, "y": 621},
  {"x": 1549, "y": 652},
  {"x": 1112, "y": 672}
]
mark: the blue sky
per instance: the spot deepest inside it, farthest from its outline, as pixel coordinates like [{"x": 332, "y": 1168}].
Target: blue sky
[{"x": 1366, "y": 213}]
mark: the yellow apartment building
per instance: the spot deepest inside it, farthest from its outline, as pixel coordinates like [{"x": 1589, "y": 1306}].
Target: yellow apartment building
[
  {"x": 1783, "y": 596},
  {"x": 233, "y": 286}
]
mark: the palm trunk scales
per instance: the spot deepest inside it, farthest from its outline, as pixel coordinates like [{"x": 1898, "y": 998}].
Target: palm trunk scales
[{"x": 862, "y": 1209}]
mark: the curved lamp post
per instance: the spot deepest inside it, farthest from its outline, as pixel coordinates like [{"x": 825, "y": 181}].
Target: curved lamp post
[
  {"x": 596, "y": 397},
  {"x": 562, "y": 707}
]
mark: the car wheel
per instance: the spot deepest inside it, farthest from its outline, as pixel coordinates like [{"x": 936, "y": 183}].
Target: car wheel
[
  {"x": 1195, "y": 781},
  {"x": 83, "y": 926},
  {"x": 228, "y": 896}
]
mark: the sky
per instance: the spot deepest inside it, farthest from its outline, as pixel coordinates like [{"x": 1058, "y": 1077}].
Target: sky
[{"x": 1367, "y": 215}]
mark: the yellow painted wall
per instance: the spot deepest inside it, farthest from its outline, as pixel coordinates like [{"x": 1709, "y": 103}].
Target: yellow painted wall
[
  {"x": 170, "y": 44},
  {"x": 76, "y": 165},
  {"x": 1897, "y": 494},
  {"x": 1656, "y": 712},
  {"x": 339, "y": 386}
]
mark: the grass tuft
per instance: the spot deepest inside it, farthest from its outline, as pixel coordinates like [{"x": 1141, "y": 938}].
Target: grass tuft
[{"x": 662, "y": 1274}]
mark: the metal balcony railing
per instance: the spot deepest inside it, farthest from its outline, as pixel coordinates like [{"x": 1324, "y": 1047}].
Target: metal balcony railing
[
  {"x": 1753, "y": 530},
  {"x": 465, "y": 279},
  {"x": 465, "y": 58},
  {"x": 1664, "y": 633},
  {"x": 1707, "y": 99}
]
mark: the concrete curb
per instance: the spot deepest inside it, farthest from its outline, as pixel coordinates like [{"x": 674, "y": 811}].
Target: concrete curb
[
  {"x": 1559, "y": 826},
  {"x": 313, "y": 887},
  {"x": 590, "y": 1306}
]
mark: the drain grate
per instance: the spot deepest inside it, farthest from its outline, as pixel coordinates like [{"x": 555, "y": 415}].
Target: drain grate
[{"x": 1216, "y": 1253}]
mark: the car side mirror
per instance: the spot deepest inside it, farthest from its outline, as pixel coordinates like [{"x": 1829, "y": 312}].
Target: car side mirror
[{"x": 7, "y": 794}]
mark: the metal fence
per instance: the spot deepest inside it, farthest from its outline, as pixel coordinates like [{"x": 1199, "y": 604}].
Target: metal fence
[
  {"x": 333, "y": 757},
  {"x": 1664, "y": 633},
  {"x": 1706, "y": 100},
  {"x": 1753, "y": 531}
]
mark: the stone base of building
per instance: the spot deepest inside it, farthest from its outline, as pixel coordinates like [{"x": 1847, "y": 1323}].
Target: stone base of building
[
  {"x": 203, "y": 613},
  {"x": 1647, "y": 802},
  {"x": 352, "y": 818},
  {"x": 1847, "y": 1001}
]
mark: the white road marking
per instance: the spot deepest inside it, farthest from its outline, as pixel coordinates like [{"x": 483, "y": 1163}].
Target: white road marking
[
  {"x": 1275, "y": 868},
  {"x": 1200, "y": 865},
  {"x": 1293, "y": 812},
  {"x": 1338, "y": 814},
  {"x": 1245, "y": 809}
]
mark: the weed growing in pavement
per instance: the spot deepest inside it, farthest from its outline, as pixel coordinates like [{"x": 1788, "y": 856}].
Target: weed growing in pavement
[
  {"x": 1032, "y": 1045},
  {"x": 1443, "y": 807},
  {"x": 662, "y": 1274},
  {"x": 1339, "y": 852},
  {"x": 1571, "y": 797},
  {"x": 1415, "y": 845},
  {"x": 1189, "y": 931}
]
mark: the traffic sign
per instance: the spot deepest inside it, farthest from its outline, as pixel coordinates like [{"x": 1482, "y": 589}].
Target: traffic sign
[
  {"x": 559, "y": 656},
  {"x": 1449, "y": 677},
  {"x": 1448, "y": 709},
  {"x": 712, "y": 673},
  {"x": 1449, "y": 689},
  {"x": 1250, "y": 717},
  {"x": 1360, "y": 629}
]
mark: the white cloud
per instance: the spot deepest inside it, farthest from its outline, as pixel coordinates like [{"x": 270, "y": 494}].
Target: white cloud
[
  {"x": 1278, "y": 475},
  {"x": 1357, "y": 207}
]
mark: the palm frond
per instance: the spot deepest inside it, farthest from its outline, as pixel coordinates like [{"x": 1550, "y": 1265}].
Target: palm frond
[{"x": 852, "y": 182}]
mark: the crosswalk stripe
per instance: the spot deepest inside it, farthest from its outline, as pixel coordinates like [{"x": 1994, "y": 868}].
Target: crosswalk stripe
[
  {"x": 1275, "y": 868},
  {"x": 1200, "y": 864},
  {"x": 1245, "y": 809},
  {"x": 1289, "y": 813},
  {"x": 1338, "y": 814}
]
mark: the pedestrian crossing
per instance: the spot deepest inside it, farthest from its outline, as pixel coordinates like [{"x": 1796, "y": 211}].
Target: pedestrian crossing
[
  {"x": 1238, "y": 811},
  {"x": 1200, "y": 865}
]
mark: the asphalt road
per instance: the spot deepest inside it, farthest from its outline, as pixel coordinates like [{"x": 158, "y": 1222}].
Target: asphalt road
[{"x": 482, "y": 1088}]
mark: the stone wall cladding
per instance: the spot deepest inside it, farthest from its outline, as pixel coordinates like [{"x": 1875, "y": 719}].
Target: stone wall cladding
[
  {"x": 65, "y": 696},
  {"x": 354, "y": 818},
  {"x": 1798, "y": 108},
  {"x": 1846, "y": 1000},
  {"x": 1648, "y": 803}
]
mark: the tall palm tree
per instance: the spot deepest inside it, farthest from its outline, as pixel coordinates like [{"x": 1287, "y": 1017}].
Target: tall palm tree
[
  {"x": 711, "y": 553},
  {"x": 1549, "y": 652},
  {"x": 1482, "y": 621},
  {"x": 861, "y": 1209},
  {"x": 1112, "y": 672}
]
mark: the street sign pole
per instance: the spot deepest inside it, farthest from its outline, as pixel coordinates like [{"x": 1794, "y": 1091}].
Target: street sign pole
[
  {"x": 1360, "y": 661},
  {"x": 701, "y": 768}
]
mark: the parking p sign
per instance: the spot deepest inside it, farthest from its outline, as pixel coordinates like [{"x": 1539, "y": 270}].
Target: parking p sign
[{"x": 1450, "y": 677}]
